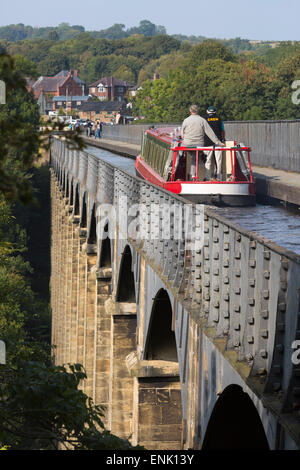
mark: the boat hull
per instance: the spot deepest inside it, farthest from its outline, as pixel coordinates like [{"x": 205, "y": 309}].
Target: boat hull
[
  {"x": 222, "y": 200},
  {"x": 211, "y": 193}
]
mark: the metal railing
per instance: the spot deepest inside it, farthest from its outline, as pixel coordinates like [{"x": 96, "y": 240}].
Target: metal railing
[{"x": 274, "y": 144}]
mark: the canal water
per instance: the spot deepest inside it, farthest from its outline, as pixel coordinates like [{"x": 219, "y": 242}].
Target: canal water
[
  {"x": 277, "y": 224},
  {"x": 124, "y": 163}
]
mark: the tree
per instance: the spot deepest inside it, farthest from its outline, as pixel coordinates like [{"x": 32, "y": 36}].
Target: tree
[
  {"x": 117, "y": 31},
  {"x": 53, "y": 36},
  {"x": 124, "y": 73},
  {"x": 162, "y": 66},
  {"x": 25, "y": 66},
  {"x": 20, "y": 141},
  {"x": 289, "y": 69},
  {"x": 154, "y": 100},
  {"x": 238, "y": 90},
  {"x": 209, "y": 50},
  {"x": 42, "y": 407},
  {"x": 22, "y": 314},
  {"x": 272, "y": 57},
  {"x": 54, "y": 63},
  {"x": 19, "y": 118}
]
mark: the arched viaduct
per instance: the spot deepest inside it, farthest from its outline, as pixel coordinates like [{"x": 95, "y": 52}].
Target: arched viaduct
[{"x": 186, "y": 330}]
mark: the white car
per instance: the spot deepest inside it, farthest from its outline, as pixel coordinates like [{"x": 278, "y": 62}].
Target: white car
[{"x": 71, "y": 121}]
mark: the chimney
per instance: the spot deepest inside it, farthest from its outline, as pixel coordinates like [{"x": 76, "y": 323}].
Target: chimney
[{"x": 75, "y": 73}]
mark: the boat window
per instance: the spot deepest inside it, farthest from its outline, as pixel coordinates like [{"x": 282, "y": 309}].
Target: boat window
[
  {"x": 180, "y": 171},
  {"x": 168, "y": 164},
  {"x": 146, "y": 149},
  {"x": 241, "y": 172},
  {"x": 151, "y": 153},
  {"x": 155, "y": 156},
  {"x": 243, "y": 161},
  {"x": 159, "y": 159},
  {"x": 162, "y": 159}
]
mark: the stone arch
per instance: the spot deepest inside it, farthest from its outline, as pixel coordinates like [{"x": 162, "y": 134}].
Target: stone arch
[
  {"x": 77, "y": 201},
  {"x": 92, "y": 234},
  {"x": 83, "y": 218},
  {"x": 126, "y": 286},
  {"x": 67, "y": 185},
  {"x": 105, "y": 260},
  {"x": 161, "y": 342},
  {"x": 72, "y": 192},
  {"x": 234, "y": 423},
  {"x": 157, "y": 383},
  {"x": 63, "y": 180}
]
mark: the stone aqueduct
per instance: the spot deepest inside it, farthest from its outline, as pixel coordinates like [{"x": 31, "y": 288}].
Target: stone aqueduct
[{"x": 188, "y": 345}]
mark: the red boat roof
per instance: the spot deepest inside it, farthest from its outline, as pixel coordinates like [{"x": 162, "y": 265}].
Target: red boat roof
[
  {"x": 167, "y": 134},
  {"x": 163, "y": 133}
]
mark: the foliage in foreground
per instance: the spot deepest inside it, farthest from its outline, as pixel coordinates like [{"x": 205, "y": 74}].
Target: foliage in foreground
[{"x": 42, "y": 407}]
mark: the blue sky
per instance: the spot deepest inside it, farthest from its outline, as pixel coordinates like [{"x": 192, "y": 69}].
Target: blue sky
[{"x": 249, "y": 19}]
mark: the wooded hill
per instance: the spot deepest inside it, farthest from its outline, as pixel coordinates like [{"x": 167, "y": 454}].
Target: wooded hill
[{"x": 243, "y": 80}]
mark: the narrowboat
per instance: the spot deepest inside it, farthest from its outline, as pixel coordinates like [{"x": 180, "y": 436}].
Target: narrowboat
[{"x": 162, "y": 161}]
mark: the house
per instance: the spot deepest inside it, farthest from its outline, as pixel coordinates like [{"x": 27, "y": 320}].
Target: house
[
  {"x": 68, "y": 102},
  {"x": 81, "y": 83},
  {"x": 109, "y": 89},
  {"x": 64, "y": 84},
  {"x": 104, "y": 111},
  {"x": 134, "y": 89},
  {"x": 58, "y": 86}
]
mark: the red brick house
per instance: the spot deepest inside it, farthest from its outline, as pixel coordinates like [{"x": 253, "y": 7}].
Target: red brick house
[
  {"x": 62, "y": 84},
  {"x": 65, "y": 84},
  {"x": 109, "y": 89}
]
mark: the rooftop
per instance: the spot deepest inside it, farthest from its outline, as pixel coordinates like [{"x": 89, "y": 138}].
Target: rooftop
[
  {"x": 99, "y": 106},
  {"x": 65, "y": 73},
  {"x": 110, "y": 81},
  {"x": 50, "y": 84},
  {"x": 74, "y": 98}
]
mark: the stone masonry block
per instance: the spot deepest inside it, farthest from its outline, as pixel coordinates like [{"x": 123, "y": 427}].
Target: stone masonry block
[
  {"x": 160, "y": 433},
  {"x": 149, "y": 415}
]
